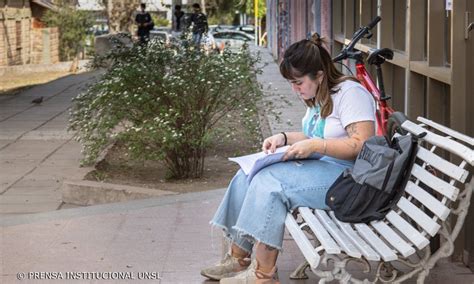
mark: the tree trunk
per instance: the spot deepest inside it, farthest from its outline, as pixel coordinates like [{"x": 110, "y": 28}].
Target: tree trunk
[
  {"x": 75, "y": 64},
  {"x": 120, "y": 15},
  {"x": 203, "y": 6}
]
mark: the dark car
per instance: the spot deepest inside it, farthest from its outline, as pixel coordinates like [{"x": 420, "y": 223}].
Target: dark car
[{"x": 248, "y": 29}]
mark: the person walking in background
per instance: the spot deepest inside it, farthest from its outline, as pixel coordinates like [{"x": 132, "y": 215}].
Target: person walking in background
[
  {"x": 199, "y": 21},
  {"x": 144, "y": 23},
  {"x": 178, "y": 21}
]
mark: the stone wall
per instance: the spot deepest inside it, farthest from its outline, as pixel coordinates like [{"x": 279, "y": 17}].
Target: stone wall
[
  {"x": 20, "y": 43},
  {"x": 15, "y": 26},
  {"x": 45, "y": 46}
]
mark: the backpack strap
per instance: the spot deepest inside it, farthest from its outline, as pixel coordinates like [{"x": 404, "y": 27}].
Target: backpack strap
[{"x": 403, "y": 178}]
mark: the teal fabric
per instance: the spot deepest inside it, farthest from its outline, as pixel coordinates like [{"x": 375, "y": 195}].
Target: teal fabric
[{"x": 313, "y": 124}]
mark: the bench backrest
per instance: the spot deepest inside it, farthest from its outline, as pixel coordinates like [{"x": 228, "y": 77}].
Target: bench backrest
[
  {"x": 438, "y": 187},
  {"x": 435, "y": 185}
]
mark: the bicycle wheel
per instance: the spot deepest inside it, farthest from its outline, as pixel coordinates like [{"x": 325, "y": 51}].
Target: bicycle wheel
[{"x": 394, "y": 124}]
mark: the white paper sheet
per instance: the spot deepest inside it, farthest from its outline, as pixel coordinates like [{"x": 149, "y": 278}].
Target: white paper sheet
[{"x": 251, "y": 164}]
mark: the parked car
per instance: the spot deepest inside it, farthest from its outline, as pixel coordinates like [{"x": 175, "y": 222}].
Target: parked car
[
  {"x": 248, "y": 29},
  {"x": 160, "y": 35},
  {"x": 221, "y": 28},
  {"x": 232, "y": 39},
  {"x": 162, "y": 29}
]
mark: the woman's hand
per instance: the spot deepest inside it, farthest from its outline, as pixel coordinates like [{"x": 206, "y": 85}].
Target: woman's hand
[
  {"x": 300, "y": 150},
  {"x": 271, "y": 143}
]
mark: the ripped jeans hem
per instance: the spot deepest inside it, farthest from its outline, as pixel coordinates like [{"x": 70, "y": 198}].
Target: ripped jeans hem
[
  {"x": 252, "y": 238},
  {"x": 230, "y": 238}
]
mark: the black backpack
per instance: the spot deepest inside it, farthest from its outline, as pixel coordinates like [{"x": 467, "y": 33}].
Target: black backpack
[{"x": 381, "y": 171}]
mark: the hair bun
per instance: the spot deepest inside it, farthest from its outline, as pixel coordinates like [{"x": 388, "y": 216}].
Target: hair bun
[{"x": 317, "y": 39}]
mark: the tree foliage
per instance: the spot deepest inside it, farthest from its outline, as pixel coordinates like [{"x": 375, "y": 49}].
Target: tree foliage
[
  {"x": 73, "y": 26},
  {"x": 224, "y": 11},
  {"x": 160, "y": 21},
  {"x": 250, "y": 8}
]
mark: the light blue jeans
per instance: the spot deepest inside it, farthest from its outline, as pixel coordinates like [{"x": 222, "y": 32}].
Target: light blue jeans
[{"x": 257, "y": 211}]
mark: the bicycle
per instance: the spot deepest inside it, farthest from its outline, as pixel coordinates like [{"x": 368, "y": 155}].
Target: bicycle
[{"x": 388, "y": 120}]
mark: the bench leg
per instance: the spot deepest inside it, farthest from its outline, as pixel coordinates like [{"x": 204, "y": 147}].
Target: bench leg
[
  {"x": 299, "y": 272},
  {"x": 421, "y": 277}
]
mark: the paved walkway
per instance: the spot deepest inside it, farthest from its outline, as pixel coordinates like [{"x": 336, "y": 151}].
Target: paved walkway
[
  {"x": 36, "y": 151},
  {"x": 290, "y": 107},
  {"x": 169, "y": 236}
]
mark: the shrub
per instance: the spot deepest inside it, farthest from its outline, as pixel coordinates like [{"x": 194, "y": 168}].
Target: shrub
[
  {"x": 163, "y": 101},
  {"x": 160, "y": 21}
]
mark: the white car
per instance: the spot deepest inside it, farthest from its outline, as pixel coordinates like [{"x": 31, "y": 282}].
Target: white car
[
  {"x": 232, "y": 39},
  {"x": 158, "y": 35}
]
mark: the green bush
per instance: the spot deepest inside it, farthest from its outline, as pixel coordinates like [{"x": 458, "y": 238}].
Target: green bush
[
  {"x": 221, "y": 19},
  {"x": 163, "y": 101},
  {"x": 160, "y": 21}
]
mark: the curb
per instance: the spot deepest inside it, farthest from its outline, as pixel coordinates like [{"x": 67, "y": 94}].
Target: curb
[
  {"x": 86, "y": 193},
  {"x": 25, "y": 69}
]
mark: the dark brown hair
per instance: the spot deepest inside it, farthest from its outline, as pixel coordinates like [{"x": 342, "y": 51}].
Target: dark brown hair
[{"x": 308, "y": 57}]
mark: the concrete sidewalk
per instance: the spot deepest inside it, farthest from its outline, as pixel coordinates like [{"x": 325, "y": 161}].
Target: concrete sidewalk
[
  {"x": 167, "y": 237},
  {"x": 36, "y": 151},
  {"x": 277, "y": 90}
]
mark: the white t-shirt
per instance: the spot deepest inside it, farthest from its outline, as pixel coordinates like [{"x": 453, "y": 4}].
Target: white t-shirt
[{"x": 352, "y": 103}]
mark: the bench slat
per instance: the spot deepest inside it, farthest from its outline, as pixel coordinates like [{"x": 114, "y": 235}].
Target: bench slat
[
  {"x": 442, "y": 142},
  {"x": 430, "y": 226},
  {"x": 447, "y": 130},
  {"x": 393, "y": 238},
  {"x": 411, "y": 233},
  {"x": 302, "y": 241},
  {"x": 379, "y": 245},
  {"x": 339, "y": 236},
  {"x": 435, "y": 183},
  {"x": 442, "y": 165},
  {"x": 428, "y": 200},
  {"x": 318, "y": 229},
  {"x": 365, "y": 248}
]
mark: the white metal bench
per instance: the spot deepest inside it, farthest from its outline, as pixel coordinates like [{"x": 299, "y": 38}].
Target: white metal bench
[{"x": 403, "y": 237}]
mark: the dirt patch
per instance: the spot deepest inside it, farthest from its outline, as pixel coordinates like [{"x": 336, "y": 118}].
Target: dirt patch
[
  {"x": 117, "y": 168},
  {"x": 14, "y": 83}
]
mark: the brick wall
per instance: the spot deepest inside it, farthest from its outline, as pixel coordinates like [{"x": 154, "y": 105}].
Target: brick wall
[
  {"x": 54, "y": 45},
  {"x": 14, "y": 48},
  {"x": 22, "y": 44},
  {"x": 40, "y": 53},
  {"x": 15, "y": 25},
  {"x": 25, "y": 40},
  {"x": 37, "y": 46},
  {"x": 3, "y": 53}
]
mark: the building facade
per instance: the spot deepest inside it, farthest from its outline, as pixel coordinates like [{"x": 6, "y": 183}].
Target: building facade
[
  {"x": 431, "y": 74},
  {"x": 23, "y": 38}
]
